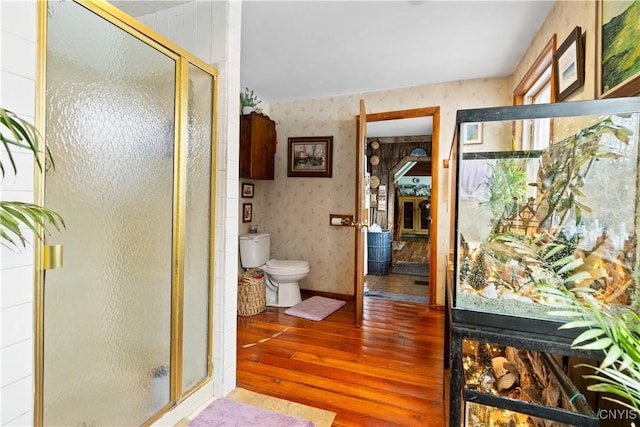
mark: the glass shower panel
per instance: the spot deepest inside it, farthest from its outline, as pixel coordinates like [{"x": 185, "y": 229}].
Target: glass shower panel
[
  {"x": 110, "y": 126},
  {"x": 197, "y": 228}
]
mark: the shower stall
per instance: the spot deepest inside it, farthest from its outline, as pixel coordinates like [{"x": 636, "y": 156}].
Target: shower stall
[{"x": 123, "y": 328}]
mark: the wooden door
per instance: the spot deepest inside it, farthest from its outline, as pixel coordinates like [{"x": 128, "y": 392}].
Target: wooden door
[{"x": 361, "y": 215}]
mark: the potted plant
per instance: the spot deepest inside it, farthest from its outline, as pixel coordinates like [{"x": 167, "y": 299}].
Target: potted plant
[
  {"x": 249, "y": 101},
  {"x": 14, "y": 216},
  {"x": 614, "y": 332}
]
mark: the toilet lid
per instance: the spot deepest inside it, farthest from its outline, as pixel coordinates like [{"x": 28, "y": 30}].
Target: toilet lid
[{"x": 286, "y": 264}]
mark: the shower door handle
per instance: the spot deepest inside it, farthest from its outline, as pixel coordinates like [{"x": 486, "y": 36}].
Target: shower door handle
[{"x": 52, "y": 257}]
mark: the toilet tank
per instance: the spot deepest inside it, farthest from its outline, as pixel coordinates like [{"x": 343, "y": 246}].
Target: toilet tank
[{"x": 254, "y": 249}]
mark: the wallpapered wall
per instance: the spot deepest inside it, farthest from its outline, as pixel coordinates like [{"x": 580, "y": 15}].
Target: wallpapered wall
[
  {"x": 562, "y": 19},
  {"x": 296, "y": 210}
]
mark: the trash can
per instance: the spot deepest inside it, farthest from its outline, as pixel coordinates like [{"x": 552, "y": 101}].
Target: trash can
[{"x": 379, "y": 252}]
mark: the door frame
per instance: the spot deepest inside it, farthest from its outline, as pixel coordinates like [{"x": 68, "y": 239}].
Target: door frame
[{"x": 433, "y": 112}]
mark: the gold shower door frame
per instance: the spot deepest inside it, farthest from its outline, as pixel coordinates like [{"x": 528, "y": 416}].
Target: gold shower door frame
[{"x": 183, "y": 62}]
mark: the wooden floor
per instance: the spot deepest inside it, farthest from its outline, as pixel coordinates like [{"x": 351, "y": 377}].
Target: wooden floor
[
  {"x": 397, "y": 284},
  {"x": 387, "y": 373},
  {"x": 415, "y": 249}
]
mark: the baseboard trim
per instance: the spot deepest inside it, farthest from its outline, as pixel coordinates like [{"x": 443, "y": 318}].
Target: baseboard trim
[{"x": 313, "y": 292}]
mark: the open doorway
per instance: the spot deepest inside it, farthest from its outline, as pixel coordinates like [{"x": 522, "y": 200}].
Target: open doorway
[
  {"x": 409, "y": 214},
  {"x": 399, "y": 152}
]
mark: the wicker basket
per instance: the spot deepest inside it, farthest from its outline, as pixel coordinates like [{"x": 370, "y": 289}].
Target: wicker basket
[{"x": 252, "y": 288}]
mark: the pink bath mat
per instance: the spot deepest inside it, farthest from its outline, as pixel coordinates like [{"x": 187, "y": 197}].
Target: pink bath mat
[
  {"x": 229, "y": 413},
  {"x": 315, "y": 308}
]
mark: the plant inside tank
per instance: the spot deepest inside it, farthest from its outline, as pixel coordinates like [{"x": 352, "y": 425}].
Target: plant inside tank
[
  {"x": 507, "y": 188},
  {"x": 543, "y": 240}
]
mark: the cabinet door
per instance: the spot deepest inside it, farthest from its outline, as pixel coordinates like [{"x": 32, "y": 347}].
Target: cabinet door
[
  {"x": 407, "y": 215},
  {"x": 257, "y": 139},
  {"x": 424, "y": 213},
  {"x": 268, "y": 146},
  {"x": 245, "y": 147},
  {"x": 415, "y": 218},
  {"x": 259, "y": 130}
]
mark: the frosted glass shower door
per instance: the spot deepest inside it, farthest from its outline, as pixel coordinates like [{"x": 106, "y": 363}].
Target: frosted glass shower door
[
  {"x": 110, "y": 124},
  {"x": 197, "y": 245}
]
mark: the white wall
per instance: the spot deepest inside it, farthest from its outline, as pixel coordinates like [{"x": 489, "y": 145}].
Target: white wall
[{"x": 17, "y": 93}]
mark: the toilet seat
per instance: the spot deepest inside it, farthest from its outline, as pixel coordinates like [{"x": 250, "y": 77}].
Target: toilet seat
[{"x": 287, "y": 266}]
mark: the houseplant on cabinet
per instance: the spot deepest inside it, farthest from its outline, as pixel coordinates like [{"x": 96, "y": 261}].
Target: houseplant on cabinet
[
  {"x": 18, "y": 133},
  {"x": 249, "y": 101}
]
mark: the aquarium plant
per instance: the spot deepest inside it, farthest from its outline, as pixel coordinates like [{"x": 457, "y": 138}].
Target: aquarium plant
[
  {"x": 514, "y": 261},
  {"x": 507, "y": 188},
  {"x": 563, "y": 170}
]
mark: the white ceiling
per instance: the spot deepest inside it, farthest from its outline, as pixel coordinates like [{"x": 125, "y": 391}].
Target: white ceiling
[{"x": 308, "y": 49}]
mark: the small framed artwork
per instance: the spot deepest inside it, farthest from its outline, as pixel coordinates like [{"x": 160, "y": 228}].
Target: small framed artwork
[
  {"x": 247, "y": 190},
  {"x": 310, "y": 156},
  {"x": 617, "y": 53},
  {"x": 472, "y": 133},
  {"x": 247, "y": 212},
  {"x": 568, "y": 65}
]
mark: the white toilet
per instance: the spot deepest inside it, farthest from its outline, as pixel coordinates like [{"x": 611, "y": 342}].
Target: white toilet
[{"x": 282, "y": 276}]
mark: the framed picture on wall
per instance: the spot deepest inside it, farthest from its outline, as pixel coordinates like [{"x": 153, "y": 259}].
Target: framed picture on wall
[
  {"x": 568, "y": 65},
  {"x": 247, "y": 212},
  {"x": 247, "y": 190},
  {"x": 472, "y": 133},
  {"x": 310, "y": 156},
  {"x": 617, "y": 52}
]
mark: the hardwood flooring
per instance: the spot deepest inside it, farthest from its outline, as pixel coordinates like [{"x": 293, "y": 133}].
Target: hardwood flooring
[
  {"x": 397, "y": 284},
  {"x": 389, "y": 372},
  {"x": 415, "y": 249}
]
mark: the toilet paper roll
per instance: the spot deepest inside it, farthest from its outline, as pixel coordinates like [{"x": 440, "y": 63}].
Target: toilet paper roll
[{"x": 336, "y": 221}]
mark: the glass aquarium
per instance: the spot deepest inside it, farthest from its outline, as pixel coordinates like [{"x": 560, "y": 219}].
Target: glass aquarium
[
  {"x": 547, "y": 195},
  {"x": 478, "y": 415},
  {"x": 509, "y": 386}
]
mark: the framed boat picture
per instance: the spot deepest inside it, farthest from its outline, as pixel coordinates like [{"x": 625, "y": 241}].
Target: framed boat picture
[
  {"x": 617, "y": 48},
  {"x": 310, "y": 156}
]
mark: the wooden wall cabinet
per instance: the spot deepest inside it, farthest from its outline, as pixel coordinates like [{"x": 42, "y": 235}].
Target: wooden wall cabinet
[
  {"x": 257, "y": 146},
  {"x": 413, "y": 220}
]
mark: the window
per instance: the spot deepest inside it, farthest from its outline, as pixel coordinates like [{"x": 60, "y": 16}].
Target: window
[
  {"x": 536, "y": 87},
  {"x": 536, "y": 133}
]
